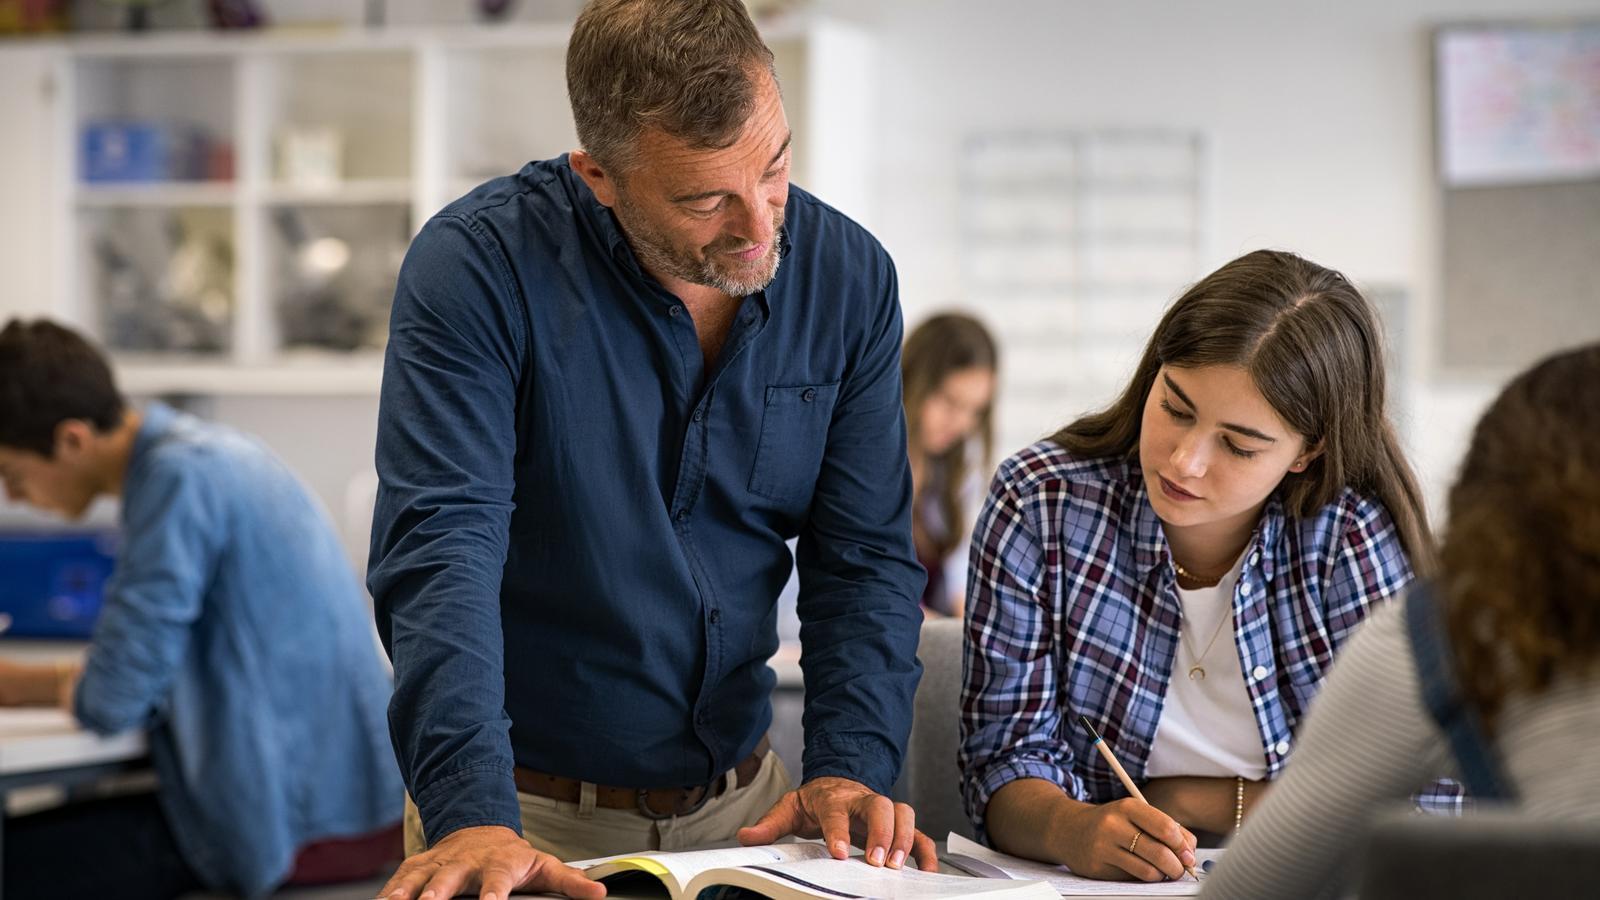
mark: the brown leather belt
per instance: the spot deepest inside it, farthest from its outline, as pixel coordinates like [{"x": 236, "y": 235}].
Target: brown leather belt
[{"x": 652, "y": 803}]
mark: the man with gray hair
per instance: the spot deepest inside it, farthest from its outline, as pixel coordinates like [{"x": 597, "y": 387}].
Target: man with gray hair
[{"x": 617, "y": 382}]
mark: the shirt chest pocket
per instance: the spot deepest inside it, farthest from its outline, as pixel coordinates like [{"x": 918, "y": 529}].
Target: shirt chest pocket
[{"x": 794, "y": 434}]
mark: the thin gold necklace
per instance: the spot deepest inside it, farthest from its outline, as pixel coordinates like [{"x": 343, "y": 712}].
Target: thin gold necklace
[
  {"x": 1201, "y": 582},
  {"x": 1197, "y": 672}
]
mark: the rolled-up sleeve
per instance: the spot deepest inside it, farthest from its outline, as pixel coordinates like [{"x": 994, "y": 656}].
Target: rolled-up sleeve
[
  {"x": 172, "y": 533},
  {"x": 1010, "y": 713},
  {"x": 1368, "y": 741},
  {"x": 445, "y": 450},
  {"x": 859, "y": 577}
]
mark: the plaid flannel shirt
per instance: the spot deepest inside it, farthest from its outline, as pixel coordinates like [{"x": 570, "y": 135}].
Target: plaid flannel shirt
[{"x": 1073, "y": 610}]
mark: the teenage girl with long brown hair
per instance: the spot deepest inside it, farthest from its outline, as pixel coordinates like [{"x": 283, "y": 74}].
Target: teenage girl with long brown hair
[{"x": 1180, "y": 569}]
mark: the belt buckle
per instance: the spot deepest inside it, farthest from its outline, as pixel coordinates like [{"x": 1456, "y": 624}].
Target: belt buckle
[{"x": 644, "y": 805}]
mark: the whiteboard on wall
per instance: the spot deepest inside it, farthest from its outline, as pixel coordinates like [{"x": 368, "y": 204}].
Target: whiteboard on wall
[
  {"x": 1518, "y": 103},
  {"x": 1075, "y": 240}
]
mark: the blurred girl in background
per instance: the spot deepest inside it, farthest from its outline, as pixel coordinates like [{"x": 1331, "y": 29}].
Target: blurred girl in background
[{"x": 948, "y": 369}]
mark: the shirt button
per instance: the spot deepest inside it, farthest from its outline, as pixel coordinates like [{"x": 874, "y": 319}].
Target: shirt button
[
  {"x": 674, "y": 311},
  {"x": 809, "y": 395},
  {"x": 1282, "y": 749},
  {"x": 681, "y": 515},
  {"x": 1258, "y": 673},
  {"x": 1244, "y": 588},
  {"x": 716, "y": 616},
  {"x": 1255, "y": 557},
  {"x": 699, "y": 415}
]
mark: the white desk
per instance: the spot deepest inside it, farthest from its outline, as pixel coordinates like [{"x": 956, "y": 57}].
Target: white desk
[
  {"x": 46, "y": 746},
  {"x": 38, "y": 744}
]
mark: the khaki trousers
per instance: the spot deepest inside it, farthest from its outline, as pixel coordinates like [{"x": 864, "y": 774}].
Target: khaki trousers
[{"x": 571, "y": 831}]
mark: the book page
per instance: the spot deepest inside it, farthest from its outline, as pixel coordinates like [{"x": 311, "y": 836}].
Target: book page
[
  {"x": 854, "y": 878},
  {"x": 678, "y": 869},
  {"x": 1070, "y": 885}
]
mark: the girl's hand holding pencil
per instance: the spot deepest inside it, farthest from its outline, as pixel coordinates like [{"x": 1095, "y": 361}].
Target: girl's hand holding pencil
[
  {"x": 1165, "y": 843},
  {"x": 1126, "y": 838}
]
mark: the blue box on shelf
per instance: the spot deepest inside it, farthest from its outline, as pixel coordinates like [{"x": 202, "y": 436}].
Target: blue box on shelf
[
  {"x": 142, "y": 151},
  {"x": 54, "y": 581}
]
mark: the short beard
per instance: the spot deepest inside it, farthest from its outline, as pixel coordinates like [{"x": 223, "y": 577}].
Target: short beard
[{"x": 657, "y": 253}]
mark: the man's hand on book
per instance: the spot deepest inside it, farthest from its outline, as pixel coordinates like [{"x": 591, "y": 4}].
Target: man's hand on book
[
  {"x": 839, "y": 810},
  {"x": 491, "y": 858}
]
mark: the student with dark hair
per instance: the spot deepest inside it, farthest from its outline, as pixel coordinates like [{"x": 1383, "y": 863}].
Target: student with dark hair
[
  {"x": 948, "y": 369},
  {"x": 1506, "y": 635},
  {"x": 1181, "y": 568},
  {"x": 232, "y": 631}
]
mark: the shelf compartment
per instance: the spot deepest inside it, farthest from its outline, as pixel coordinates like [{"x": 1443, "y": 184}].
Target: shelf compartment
[
  {"x": 331, "y": 273},
  {"x": 161, "y": 279}
]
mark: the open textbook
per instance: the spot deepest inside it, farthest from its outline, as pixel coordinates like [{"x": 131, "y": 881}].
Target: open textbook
[
  {"x": 800, "y": 871},
  {"x": 979, "y": 860}
]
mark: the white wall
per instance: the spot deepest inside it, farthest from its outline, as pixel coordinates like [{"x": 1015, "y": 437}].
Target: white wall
[{"x": 1318, "y": 117}]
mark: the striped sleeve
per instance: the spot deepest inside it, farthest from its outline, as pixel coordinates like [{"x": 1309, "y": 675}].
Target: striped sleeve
[
  {"x": 1370, "y": 570},
  {"x": 1368, "y": 743}
]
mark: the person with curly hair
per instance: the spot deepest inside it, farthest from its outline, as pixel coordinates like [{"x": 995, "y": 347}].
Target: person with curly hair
[{"x": 1490, "y": 670}]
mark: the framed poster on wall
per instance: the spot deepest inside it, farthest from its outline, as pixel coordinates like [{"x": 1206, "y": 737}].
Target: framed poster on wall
[{"x": 1518, "y": 103}]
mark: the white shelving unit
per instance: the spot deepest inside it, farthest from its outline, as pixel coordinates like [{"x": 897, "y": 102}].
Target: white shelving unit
[{"x": 421, "y": 116}]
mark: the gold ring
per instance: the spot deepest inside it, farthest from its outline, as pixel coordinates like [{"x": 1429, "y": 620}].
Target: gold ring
[{"x": 1135, "y": 842}]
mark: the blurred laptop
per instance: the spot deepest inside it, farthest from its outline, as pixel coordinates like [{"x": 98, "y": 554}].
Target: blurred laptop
[{"x": 52, "y": 582}]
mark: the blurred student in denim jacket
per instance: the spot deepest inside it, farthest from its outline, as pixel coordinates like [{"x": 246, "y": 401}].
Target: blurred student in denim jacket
[{"x": 233, "y": 631}]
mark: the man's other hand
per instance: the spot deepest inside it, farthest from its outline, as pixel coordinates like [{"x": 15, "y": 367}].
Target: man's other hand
[{"x": 839, "y": 810}]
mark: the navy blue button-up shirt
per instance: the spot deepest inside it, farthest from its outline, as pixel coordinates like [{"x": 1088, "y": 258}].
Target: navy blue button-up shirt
[{"x": 579, "y": 536}]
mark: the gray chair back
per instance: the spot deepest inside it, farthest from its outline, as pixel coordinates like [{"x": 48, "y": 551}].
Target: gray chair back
[
  {"x": 929, "y": 780},
  {"x": 1491, "y": 853}
]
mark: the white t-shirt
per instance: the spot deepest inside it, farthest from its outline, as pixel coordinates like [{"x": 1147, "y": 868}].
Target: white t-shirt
[{"x": 1207, "y": 726}]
